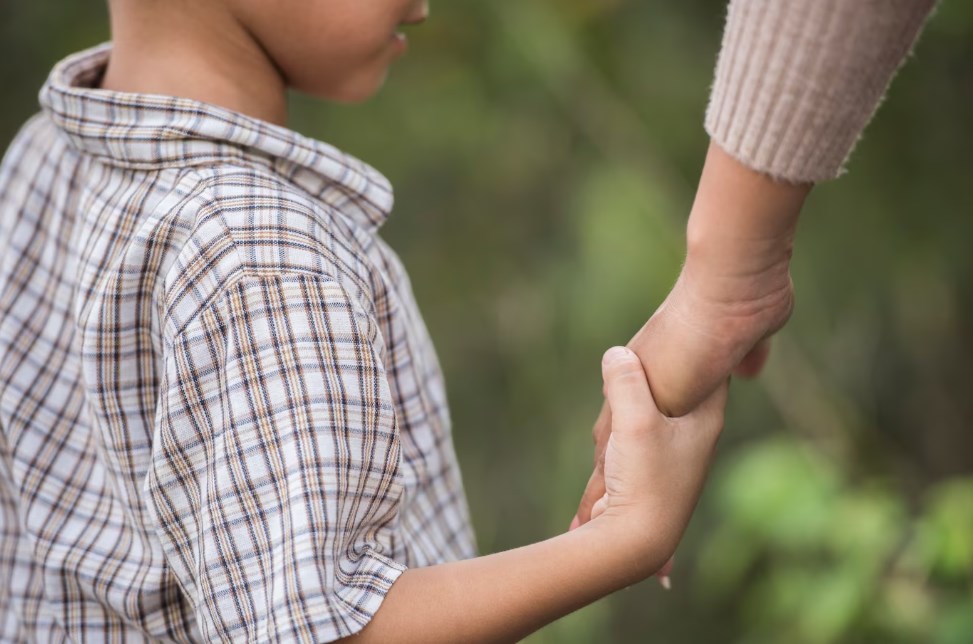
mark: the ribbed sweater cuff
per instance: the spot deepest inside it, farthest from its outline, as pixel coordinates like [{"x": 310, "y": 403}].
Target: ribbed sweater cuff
[{"x": 798, "y": 80}]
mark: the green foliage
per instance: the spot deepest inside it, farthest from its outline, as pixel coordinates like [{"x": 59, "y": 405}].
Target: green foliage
[
  {"x": 818, "y": 558},
  {"x": 544, "y": 155}
]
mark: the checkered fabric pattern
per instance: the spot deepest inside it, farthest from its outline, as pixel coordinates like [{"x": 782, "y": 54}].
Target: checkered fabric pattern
[{"x": 221, "y": 416}]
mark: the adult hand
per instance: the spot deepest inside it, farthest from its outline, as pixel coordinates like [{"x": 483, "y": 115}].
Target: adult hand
[
  {"x": 733, "y": 293},
  {"x": 691, "y": 344}
]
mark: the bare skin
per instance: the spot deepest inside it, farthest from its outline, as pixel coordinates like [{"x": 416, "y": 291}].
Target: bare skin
[
  {"x": 654, "y": 469},
  {"x": 243, "y": 55},
  {"x": 156, "y": 51},
  {"x": 733, "y": 293}
]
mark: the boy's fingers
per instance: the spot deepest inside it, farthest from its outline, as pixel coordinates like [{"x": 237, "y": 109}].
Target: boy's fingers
[
  {"x": 629, "y": 400},
  {"x": 599, "y": 507},
  {"x": 710, "y": 413},
  {"x": 592, "y": 492},
  {"x": 627, "y": 389},
  {"x": 715, "y": 404}
]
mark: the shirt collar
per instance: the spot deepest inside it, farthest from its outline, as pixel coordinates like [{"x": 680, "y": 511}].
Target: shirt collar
[{"x": 147, "y": 131}]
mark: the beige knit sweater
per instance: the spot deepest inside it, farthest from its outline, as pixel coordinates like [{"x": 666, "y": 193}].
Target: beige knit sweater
[{"x": 798, "y": 80}]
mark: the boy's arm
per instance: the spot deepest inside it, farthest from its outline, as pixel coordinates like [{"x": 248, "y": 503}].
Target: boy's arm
[
  {"x": 506, "y": 596},
  {"x": 275, "y": 484},
  {"x": 655, "y": 468}
]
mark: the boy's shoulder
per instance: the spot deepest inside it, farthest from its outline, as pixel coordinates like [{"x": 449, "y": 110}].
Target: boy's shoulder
[
  {"x": 194, "y": 195},
  {"x": 240, "y": 221},
  {"x": 22, "y": 165},
  {"x": 193, "y": 230}
]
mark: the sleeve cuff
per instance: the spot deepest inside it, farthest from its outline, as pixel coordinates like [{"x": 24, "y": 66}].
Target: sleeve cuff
[
  {"x": 362, "y": 587},
  {"x": 796, "y": 81},
  {"x": 363, "y": 593}
]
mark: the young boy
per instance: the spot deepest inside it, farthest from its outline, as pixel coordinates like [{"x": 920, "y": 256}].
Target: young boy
[{"x": 222, "y": 418}]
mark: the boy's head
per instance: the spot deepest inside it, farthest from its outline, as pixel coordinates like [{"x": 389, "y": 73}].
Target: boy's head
[{"x": 332, "y": 49}]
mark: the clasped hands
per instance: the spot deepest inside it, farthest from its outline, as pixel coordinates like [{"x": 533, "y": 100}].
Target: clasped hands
[
  {"x": 733, "y": 293},
  {"x": 710, "y": 325}
]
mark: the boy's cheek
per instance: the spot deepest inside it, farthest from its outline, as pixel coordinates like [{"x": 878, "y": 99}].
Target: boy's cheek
[
  {"x": 336, "y": 49},
  {"x": 350, "y": 85}
]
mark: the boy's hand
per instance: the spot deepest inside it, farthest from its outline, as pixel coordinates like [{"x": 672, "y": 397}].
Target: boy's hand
[
  {"x": 654, "y": 469},
  {"x": 654, "y": 466}
]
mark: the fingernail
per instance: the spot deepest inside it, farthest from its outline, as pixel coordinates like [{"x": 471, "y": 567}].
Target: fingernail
[
  {"x": 665, "y": 582},
  {"x": 615, "y": 354}
]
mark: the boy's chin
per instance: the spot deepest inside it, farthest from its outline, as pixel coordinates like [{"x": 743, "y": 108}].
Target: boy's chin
[{"x": 357, "y": 90}]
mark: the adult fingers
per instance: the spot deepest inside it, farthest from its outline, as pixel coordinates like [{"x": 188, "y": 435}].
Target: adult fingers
[
  {"x": 753, "y": 363},
  {"x": 664, "y": 572},
  {"x": 592, "y": 492},
  {"x": 596, "y": 484},
  {"x": 602, "y": 431}
]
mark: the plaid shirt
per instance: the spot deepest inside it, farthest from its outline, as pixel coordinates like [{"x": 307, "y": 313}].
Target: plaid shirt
[{"x": 221, "y": 417}]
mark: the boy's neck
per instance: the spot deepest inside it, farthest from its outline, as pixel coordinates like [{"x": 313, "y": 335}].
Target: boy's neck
[{"x": 201, "y": 53}]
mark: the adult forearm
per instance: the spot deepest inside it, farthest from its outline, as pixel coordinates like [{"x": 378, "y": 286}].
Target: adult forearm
[
  {"x": 504, "y": 597},
  {"x": 742, "y": 225},
  {"x": 734, "y": 289}
]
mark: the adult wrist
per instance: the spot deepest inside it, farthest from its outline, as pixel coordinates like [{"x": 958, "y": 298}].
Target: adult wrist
[
  {"x": 740, "y": 234},
  {"x": 739, "y": 213}
]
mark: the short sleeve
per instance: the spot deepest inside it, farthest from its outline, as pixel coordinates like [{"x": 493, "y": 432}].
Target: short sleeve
[{"x": 275, "y": 479}]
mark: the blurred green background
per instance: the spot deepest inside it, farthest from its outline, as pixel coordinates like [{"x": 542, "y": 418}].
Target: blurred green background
[{"x": 545, "y": 155}]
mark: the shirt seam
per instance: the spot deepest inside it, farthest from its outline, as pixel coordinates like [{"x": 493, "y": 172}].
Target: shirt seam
[
  {"x": 244, "y": 272},
  {"x": 211, "y": 205}
]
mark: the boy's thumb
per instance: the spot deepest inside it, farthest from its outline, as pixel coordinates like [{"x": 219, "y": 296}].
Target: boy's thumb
[{"x": 626, "y": 388}]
